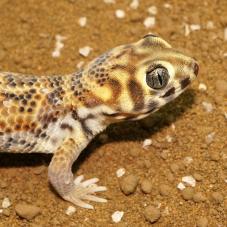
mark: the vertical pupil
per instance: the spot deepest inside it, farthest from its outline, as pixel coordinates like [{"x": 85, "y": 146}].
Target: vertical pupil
[{"x": 159, "y": 78}]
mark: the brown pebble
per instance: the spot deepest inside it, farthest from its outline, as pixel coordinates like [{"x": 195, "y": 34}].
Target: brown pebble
[
  {"x": 170, "y": 177},
  {"x": 164, "y": 190},
  {"x": 146, "y": 186},
  {"x": 174, "y": 168},
  {"x": 198, "y": 176},
  {"x": 198, "y": 197},
  {"x": 27, "y": 211},
  {"x": 152, "y": 214},
  {"x": 202, "y": 222},
  {"x": 188, "y": 193},
  {"x": 214, "y": 156},
  {"x": 217, "y": 197},
  {"x": 6, "y": 212},
  {"x": 221, "y": 86},
  {"x": 128, "y": 184}
]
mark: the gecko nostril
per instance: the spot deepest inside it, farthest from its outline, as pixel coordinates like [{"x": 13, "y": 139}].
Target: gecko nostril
[{"x": 196, "y": 68}]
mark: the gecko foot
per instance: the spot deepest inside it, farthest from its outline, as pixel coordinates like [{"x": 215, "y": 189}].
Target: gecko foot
[{"x": 85, "y": 190}]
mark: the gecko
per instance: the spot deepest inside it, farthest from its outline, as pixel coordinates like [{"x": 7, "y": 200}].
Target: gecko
[{"x": 61, "y": 114}]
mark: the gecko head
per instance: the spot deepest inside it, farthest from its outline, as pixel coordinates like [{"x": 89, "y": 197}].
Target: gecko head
[{"x": 141, "y": 77}]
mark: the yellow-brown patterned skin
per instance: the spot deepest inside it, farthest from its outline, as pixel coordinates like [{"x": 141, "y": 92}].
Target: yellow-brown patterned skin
[{"x": 61, "y": 114}]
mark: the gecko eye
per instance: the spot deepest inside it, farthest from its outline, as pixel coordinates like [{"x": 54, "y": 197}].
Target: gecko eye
[{"x": 157, "y": 78}]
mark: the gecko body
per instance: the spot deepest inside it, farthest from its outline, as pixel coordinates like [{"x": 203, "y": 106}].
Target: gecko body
[{"x": 61, "y": 114}]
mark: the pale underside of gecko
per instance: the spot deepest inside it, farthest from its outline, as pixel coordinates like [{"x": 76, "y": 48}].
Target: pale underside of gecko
[{"x": 61, "y": 114}]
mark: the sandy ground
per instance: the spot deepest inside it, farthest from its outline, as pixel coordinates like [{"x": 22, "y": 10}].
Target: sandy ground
[{"x": 188, "y": 135}]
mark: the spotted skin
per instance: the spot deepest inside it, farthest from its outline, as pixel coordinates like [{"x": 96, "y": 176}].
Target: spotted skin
[{"x": 61, "y": 114}]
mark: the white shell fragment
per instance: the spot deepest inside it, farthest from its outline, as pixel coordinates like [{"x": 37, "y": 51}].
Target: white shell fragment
[
  {"x": 208, "y": 107},
  {"x": 82, "y": 21},
  {"x": 58, "y": 46},
  {"x": 152, "y": 10},
  {"x": 210, "y": 137},
  {"x": 190, "y": 28},
  {"x": 119, "y": 13},
  {"x": 85, "y": 51},
  {"x": 120, "y": 172},
  {"x": 181, "y": 186},
  {"x": 70, "y": 210},
  {"x": 190, "y": 180},
  {"x": 146, "y": 143},
  {"x": 169, "y": 139},
  {"x": 202, "y": 87},
  {"x": 134, "y": 4},
  {"x": 117, "y": 216},
  {"x": 149, "y": 22},
  {"x": 195, "y": 27},
  {"x": 6, "y": 203}
]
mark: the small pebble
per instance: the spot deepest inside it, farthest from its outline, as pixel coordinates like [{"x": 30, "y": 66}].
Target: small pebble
[
  {"x": 164, "y": 190},
  {"x": 39, "y": 170},
  {"x": 146, "y": 143},
  {"x": 149, "y": 22},
  {"x": 210, "y": 25},
  {"x": 202, "y": 87},
  {"x": 80, "y": 64},
  {"x": 190, "y": 180},
  {"x": 152, "y": 10},
  {"x": 181, "y": 186},
  {"x": 195, "y": 27},
  {"x": 6, "y": 203},
  {"x": 146, "y": 186},
  {"x": 82, "y": 21},
  {"x": 128, "y": 184},
  {"x": 188, "y": 160},
  {"x": 174, "y": 168},
  {"x": 188, "y": 193},
  {"x": 198, "y": 176},
  {"x": 58, "y": 46},
  {"x": 210, "y": 137},
  {"x": 27, "y": 211},
  {"x": 134, "y": 4},
  {"x": 198, "y": 197},
  {"x": 6, "y": 212},
  {"x": 202, "y": 222},
  {"x": 117, "y": 216},
  {"x": 119, "y": 13},
  {"x": 221, "y": 86},
  {"x": 217, "y": 197},
  {"x": 208, "y": 107},
  {"x": 152, "y": 214},
  {"x": 3, "y": 184},
  {"x": 120, "y": 172},
  {"x": 85, "y": 51},
  {"x": 70, "y": 210},
  {"x": 214, "y": 156}
]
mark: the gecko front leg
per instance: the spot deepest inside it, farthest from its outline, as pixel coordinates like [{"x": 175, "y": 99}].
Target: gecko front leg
[{"x": 61, "y": 177}]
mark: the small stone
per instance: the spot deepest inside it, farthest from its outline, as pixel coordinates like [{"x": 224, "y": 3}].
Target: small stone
[
  {"x": 6, "y": 212},
  {"x": 198, "y": 176},
  {"x": 217, "y": 197},
  {"x": 221, "y": 86},
  {"x": 181, "y": 186},
  {"x": 3, "y": 184},
  {"x": 164, "y": 190},
  {"x": 27, "y": 211},
  {"x": 70, "y": 210},
  {"x": 119, "y": 13},
  {"x": 147, "y": 143},
  {"x": 120, "y": 172},
  {"x": 146, "y": 186},
  {"x": 174, "y": 168},
  {"x": 152, "y": 214},
  {"x": 149, "y": 22},
  {"x": 210, "y": 137},
  {"x": 188, "y": 193},
  {"x": 117, "y": 216},
  {"x": 152, "y": 10},
  {"x": 198, "y": 197},
  {"x": 214, "y": 156},
  {"x": 85, "y": 51},
  {"x": 190, "y": 180},
  {"x": 134, "y": 4},
  {"x": 195, "y": 27},
  {"x": 128, "y": 184},
  {"x": 82, "y": 21},
  {"x": 80, "y": 64},
  {"x": 202, "y": 87},
  {"x": 188, "y": 160},
  {"x": 202, "y": 222},
  {"x": 6, "y": 203},
  {"x": 208, "y": 107},
  {"x": 210, "y": 25},
  {"x": 39, "y": 170}
]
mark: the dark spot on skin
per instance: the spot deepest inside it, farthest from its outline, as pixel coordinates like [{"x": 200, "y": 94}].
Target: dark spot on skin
[
  {"x": 21, "y": 109},
  {"x": 29, "y": 110},
  {"x": 185, "y": 82},
  {"x": 129, "y": 68},
  {"x": 66, "y": 126},
  {"x": 152, "y": 106},
  {"x": 171, "y": 91},
  {"x": 136, "y": 93}
]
